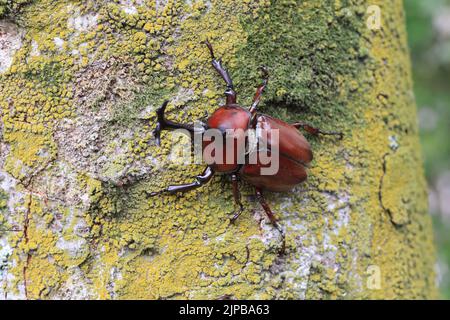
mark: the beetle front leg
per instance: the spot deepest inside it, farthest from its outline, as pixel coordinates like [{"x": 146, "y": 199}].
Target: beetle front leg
[
  {"x": 165, "y": 124},
  {"x": 270, "y": 215},
  {"x": 237, "y": 197},
  {"x": 260, "y": 90},
  {"x": 217, "y": 64},
  {"x": 316, "y": 131},
  {"x": 200, "y": 180}
]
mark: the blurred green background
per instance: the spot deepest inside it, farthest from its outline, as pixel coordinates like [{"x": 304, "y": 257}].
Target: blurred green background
[{"x": 428, "y": 24}]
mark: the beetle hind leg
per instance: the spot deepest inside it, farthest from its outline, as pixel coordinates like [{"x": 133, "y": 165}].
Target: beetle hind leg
[
  {"x": 237, "y": 198},
  {"x": 271, "y": 216},
  {"x": 316, "y": 131}
]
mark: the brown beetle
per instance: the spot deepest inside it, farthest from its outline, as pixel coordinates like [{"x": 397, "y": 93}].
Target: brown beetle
[{"x": 294, "y": 150}]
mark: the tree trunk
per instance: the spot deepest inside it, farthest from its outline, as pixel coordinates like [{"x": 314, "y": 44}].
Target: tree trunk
[{"x": 79, "y": 84}]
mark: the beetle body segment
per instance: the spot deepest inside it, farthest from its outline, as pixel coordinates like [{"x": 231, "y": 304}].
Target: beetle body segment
[
  {"x": 294, "y": 155},
  {"x": 228, "y": 117},
  {"x": 290, "y": 174},
  {"x": 294, "y": 150},
  {"x": 291, "y": 143}
]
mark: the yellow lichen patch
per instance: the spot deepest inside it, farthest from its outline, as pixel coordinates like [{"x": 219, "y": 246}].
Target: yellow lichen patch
[
  {"x": 101, "y": 272},
  {"x": 396, "y": 188},
  {"x": 395, "y": 241},
  {"x": 28, "y": 147},
  {"x": 29, "y": 153},
  {"x": 39, "y": 262},
  {"x": 81, "y": 94}
]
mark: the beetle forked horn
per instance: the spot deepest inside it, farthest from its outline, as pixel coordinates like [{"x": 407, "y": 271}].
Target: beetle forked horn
[{"x": 161, "y": 122}]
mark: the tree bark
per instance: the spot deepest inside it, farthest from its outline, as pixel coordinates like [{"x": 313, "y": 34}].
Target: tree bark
[{"x": 79, "y": 84}]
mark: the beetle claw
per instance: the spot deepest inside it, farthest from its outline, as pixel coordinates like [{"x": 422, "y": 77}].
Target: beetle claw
[
  {"x": 153, "y": 194},
  {"x": 236, "y": 215},
  {"x": 283, "y": 237},
  {"x": 265, "y": 72},
  {"x": 339, "y": 134},
  {"x": 234, "y": 218}
]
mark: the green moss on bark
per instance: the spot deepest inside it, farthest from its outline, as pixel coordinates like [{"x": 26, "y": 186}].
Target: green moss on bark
[{"x": 8, "y": 7}]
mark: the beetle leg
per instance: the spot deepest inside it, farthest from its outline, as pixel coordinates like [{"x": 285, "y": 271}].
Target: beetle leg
[
  {"x": 237, "y": 197},
  {"x": 164, "y": 124},
  {"x": 315, "y": 131},
  {"x": 266, "y": 207},
  {"x": 260, "y": 90},
  {"x": 200, "y": 180},
  {"x": 217, "y": 64},
  {"x": 271, "y": 216}
]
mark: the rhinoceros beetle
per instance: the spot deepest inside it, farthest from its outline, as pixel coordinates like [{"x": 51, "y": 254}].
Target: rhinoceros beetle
[{"x": 294, "y": 150}]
